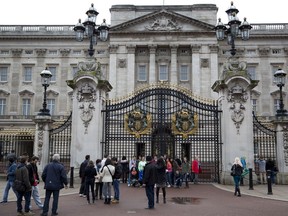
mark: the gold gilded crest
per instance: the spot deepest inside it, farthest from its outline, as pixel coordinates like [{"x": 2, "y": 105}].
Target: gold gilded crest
[
  {"x": 184, "y": 122},
  {"x": 138, "y": 122}
]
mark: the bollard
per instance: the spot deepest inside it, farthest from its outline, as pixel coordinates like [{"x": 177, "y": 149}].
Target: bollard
[
  {"x": 269, "y": 183},
  {"x": 72, "y": 177},
  {"x": 250, "y": 179}
]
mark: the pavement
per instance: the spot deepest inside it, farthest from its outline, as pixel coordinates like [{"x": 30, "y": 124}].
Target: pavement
[
  {"x": 200, "y": 199},
  {"x": 279, "y": 192}
]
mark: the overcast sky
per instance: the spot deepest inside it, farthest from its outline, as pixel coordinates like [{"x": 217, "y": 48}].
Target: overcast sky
[{"x": 67, "y": 12}]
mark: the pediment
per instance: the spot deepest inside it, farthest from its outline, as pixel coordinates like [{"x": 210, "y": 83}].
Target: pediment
[
  {"x": 52, "y": 92},
  {"x": 26, "y": 92},
  {"x": 162, "y": 21},
  {"x": 277, "y": 92},
  {"x": 4, "y": 93}
]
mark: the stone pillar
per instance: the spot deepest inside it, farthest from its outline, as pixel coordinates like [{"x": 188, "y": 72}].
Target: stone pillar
[
  {"x": 281, "y": 124},
  {"x": 152, "y": 62},
  {"x": 174, "y": 76},
  {"x": 196, "y": 75},
  {"x": 131, "y": 69},
  {"x": 41, "y": 141},
  {"x": 89, "y": 95},
  {"x": 214, "y": 66},
  {"x": 113, "y": 69},
  {"x": 234, "y": 89}
]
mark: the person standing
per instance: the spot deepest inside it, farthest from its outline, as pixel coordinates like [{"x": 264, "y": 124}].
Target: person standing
[
  {"x": 236, "y": 172},
  {"x": 161, "y": 179},
  {"x": 132, "y": 163},
  {"x": 22, "y": 175},
  {"x": 34, "y": 181},
  {"x": 98, "y": 181},
  {"x": 54, "y": 177},
  {"x": 89, "y": 174},
  {"x": 82, "y": 191},
  {"x": 125, "y": 169},
  {"x": 262, "y": 170},
  {"x": 107, "y": 173},
  {"x": 141, "y": 166},
  {"x": 149, "y": 180},
  {"x": 116, "y": 179},
  {"x": 169, "y": 172},
  {"x": 10, "y": 179},
  {"x": 195, "y": 169},
  {"x": 186, "y": 171}
]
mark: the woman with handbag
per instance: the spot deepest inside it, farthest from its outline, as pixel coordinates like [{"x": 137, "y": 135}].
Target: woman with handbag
[
  {"x": 236, "y": 172},
  {"x": 107, "y": 173}
]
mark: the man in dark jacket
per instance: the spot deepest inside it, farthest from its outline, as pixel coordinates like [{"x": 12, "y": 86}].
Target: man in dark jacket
[
  {"x": 54, "y": 177},
  {"x": 116, "y": 179},
  {"x": 149, "y": 180},
  {"x": 22, "y": 176},
  {"x": 83, "y": 165}
]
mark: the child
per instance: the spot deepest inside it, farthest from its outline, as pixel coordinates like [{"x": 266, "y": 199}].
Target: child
[
  {"x": 178, "y": 179},
  {"x": 134, "y": 177}
]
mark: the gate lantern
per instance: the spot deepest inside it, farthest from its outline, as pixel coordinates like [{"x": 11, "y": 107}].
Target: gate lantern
[{"x": 45, "y": 80}]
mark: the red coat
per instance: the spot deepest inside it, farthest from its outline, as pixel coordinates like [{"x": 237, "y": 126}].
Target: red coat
[{"x": 195, "y": 166}]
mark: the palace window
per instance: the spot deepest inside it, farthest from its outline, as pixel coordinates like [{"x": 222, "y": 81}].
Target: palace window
[
  {"x": 52, "y": 69},
  {"x": 51, "y": 106},
  {"x": 184, "y": 73},
  {"x": 2, "y": 106},
  {"x": 142, "y": 75},
  {"x": 3, "y": 74},
  {"x": 254, "y": 105},
  {"x": 26, "y": 106},
  {"x": 27, "y": 75},
  {"x": 276, "y": 105},
  {"x": 163, "y": 72},
  {"x": 251, "y": 70}
]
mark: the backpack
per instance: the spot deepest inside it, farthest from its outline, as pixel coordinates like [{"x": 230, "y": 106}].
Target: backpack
[{"x": 118, "y": 171}]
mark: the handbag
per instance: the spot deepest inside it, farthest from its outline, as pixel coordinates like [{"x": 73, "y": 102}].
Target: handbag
[
  {"x": 19, "y": 186},
  {"x": 233, "y": 171}
]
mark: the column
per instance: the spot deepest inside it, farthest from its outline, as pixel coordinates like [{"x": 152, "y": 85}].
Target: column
[
  {"x": 174, "y": 76},
  {"x": 213, "y": 67},
  {"x": 113, "y": 70},
  {"x": 152, "y": 60},
  {"x": 196, "y": 75},
  {"x": 282, "y": 148},
  {"x": 131, "y": 69},
  {"x": 41, "y": 142}
]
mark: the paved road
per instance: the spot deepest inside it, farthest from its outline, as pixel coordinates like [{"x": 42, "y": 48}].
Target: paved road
[{"x": 201, "y": 200}]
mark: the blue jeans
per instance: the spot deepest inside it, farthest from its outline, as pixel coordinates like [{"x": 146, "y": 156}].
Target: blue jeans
[
  {"x": 6, "y": 191},
  {"x": 169, "y": 178},
  {"x": 27, "y": 197},
  {"x": 36, "y": 197},
  {"x": 236, "y": 181},
  {"x": 116, "y": 183},
  {"x": 107, "y": 190},
  {"x": 150, "y": 195},
  {"x": 47, "y": 200}
]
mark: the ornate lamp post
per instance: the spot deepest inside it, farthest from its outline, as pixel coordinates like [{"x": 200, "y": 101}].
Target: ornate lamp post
[
  {"x": 280, "y": 79},
  {"x": 45, "y": 80},
  {"x": 89, "y": 29},
  {"x": 231, "y": 30}
]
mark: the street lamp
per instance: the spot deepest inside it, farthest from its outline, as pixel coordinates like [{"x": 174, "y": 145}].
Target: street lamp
[
  {"x": 45, "y": 80},
  {"x": 89, "y": 29},
  {"x": 231, "y": 30},
  {"x": 280, "y": 79}
]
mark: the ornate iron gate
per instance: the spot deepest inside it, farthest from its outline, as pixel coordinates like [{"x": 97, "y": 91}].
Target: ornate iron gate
[
  {"x": 21, "y": 141},
  {"x": 264, "y": 141},
  {"x": 60, "y": 142},
  {"x": 163, "y": 119}
]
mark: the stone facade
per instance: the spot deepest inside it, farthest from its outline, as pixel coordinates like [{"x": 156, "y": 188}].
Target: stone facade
[{"x": 147, "y": 45}]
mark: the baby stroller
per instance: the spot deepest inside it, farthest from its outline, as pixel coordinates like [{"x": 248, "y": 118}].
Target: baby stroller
[{"x": 134, "y": 177}]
